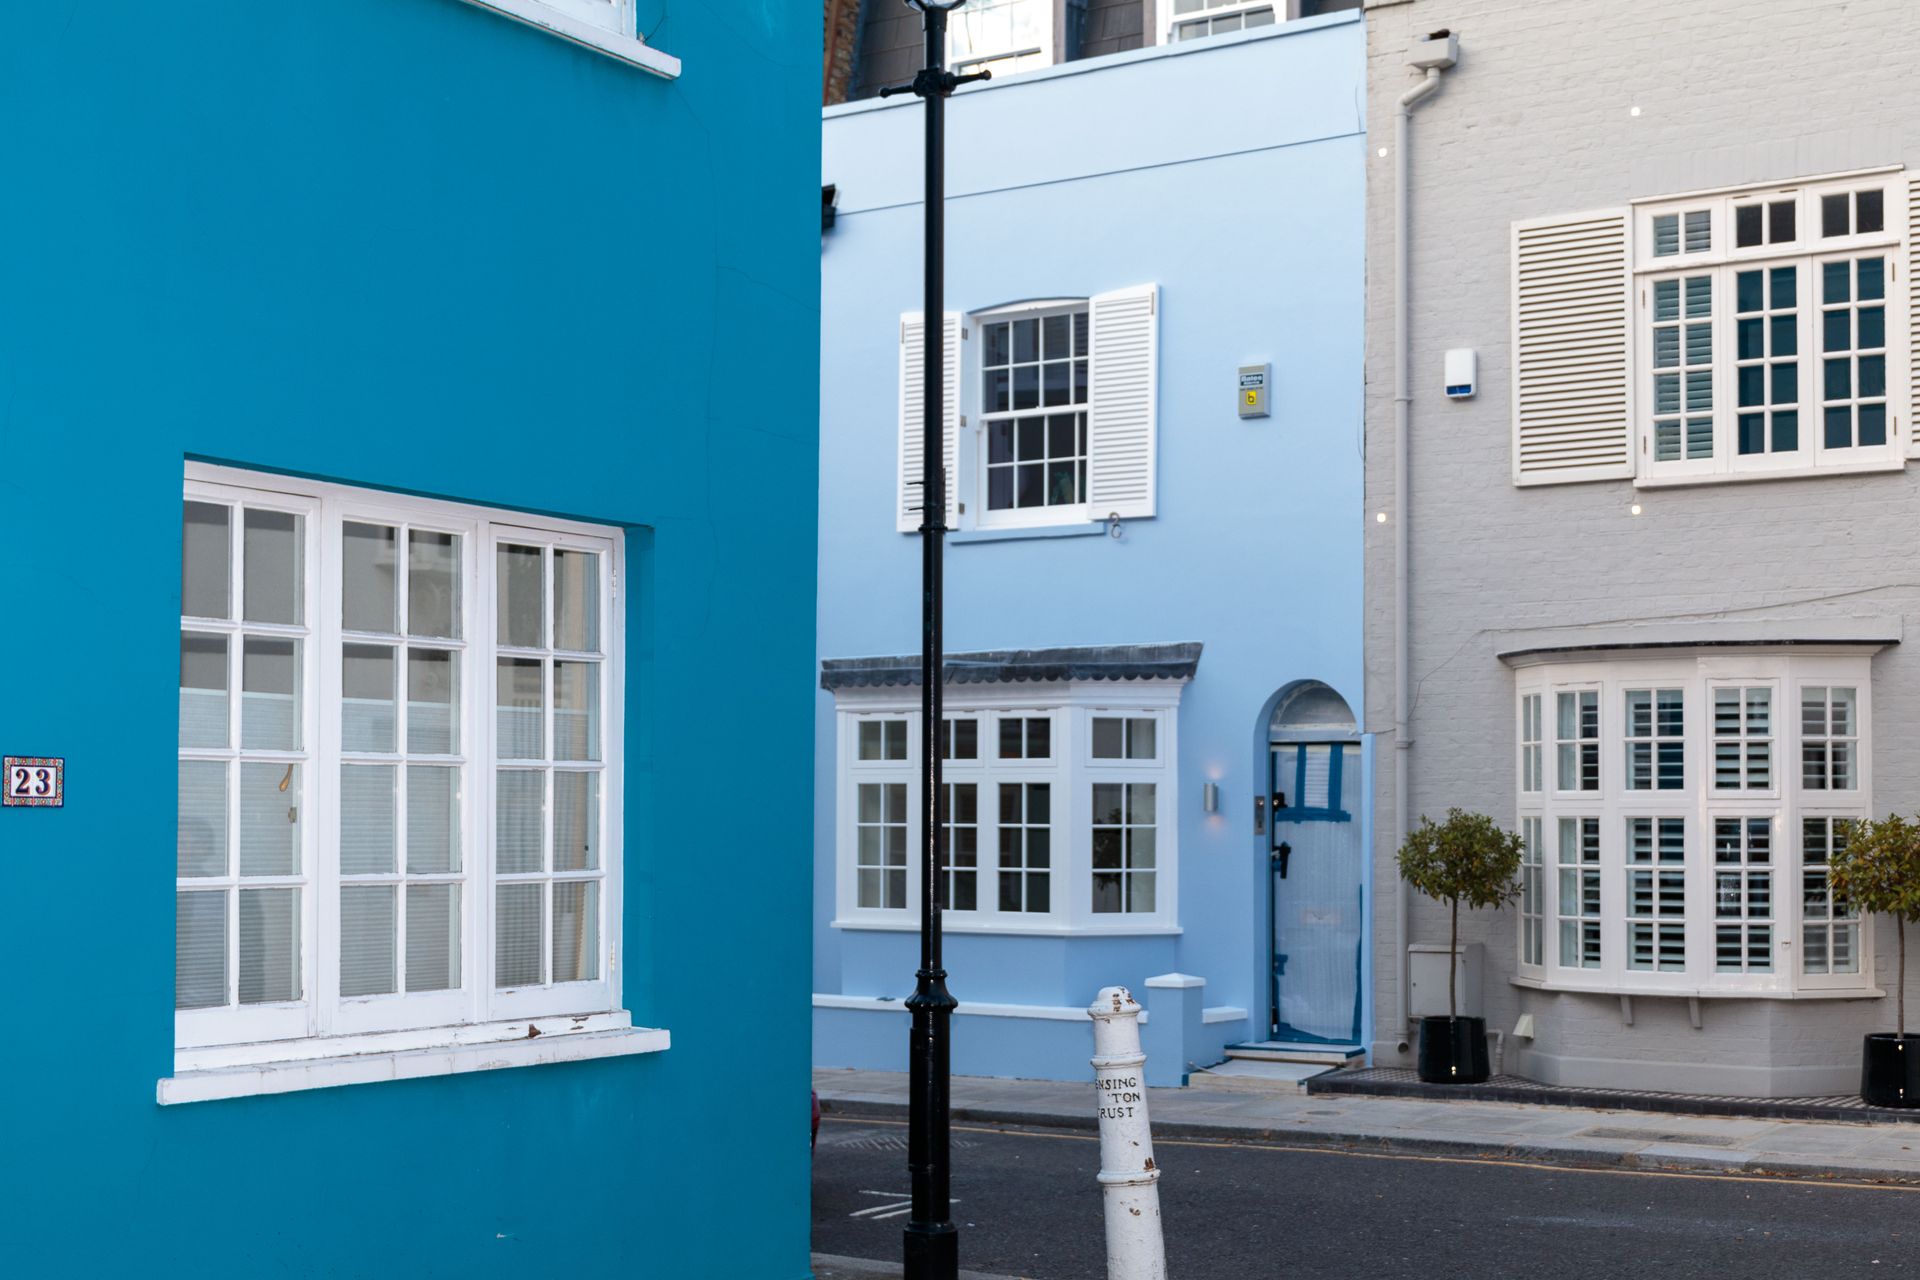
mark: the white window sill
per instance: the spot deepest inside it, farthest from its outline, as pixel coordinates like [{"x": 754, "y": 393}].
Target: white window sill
[
  {"x": 240, "y": 1071},
  {"x": 635, "y": 53},
  {"x": 1876, "y": 465},
  {"x": 1695, "y": 993},
  {"x": 1144, "y": 929},
  {"x": 1020, "y": 533}
]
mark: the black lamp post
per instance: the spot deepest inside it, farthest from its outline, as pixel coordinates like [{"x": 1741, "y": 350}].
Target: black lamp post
[{"x": 932, "y": 1244}]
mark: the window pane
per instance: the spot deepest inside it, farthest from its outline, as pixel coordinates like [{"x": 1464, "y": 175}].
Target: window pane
[
  {"x": 368, "y": 578},
  {"x": 433, "y": 702},
  {"x": 1833, "y": 215},
  {"x": 203, "y": 690},
  {"x": 1780, "y": 222},
  {"x": 1869, "y": 210},
  {"x": 206, "y": 561},
  {"x": 366, "y": 819},
  {"x": 576, "y": 711},
  {"x": 576, "y": 601},
  {"x": 1141, "y": 735},
  {"x": 367, "y": 702},
  {"x": 269, "y": 945},
  {"x": 1107, "y": 734},
  {"x": 516, "y": 935},
  {"x": 576, "y": 821},
  {"x": 1746, "y": 226},
  {"x": 576, "y": 931},
  {"x": 520, "y": 590},
  {"x": 201, "y": 846},
  {"x": 270, "y": 694},
  {"x": 433, "y": 584},
  {"x": 433, "y": 819},
  {"x": 366, "y": 940},
  {"x": 521, "y": 695},
  {"x": 520, "y": 812},
  {"x": 274, "y": 559},
  {"x": 433, "y": 937},
  {"x": 269, "y": 819},
  {"x": 199, "y": 950}
]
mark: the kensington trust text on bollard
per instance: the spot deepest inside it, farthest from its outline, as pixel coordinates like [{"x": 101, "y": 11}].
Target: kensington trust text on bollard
[{"x": 1128, "y": 1175}]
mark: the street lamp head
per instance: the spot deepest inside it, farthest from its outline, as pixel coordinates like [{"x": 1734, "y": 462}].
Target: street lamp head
[{"x": 944, "y": 6}]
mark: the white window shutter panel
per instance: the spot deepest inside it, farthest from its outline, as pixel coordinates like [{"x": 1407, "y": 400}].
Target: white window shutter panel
[
  {"x": 1124, "y": 349},
  {"x": 1913, "y": 316},
  {"x": 912, "y": 406},
  {"x": 1572, "y": 335}
]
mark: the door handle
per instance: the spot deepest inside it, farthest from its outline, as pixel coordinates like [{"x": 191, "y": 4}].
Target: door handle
[{"x": 1282, "y": 854}]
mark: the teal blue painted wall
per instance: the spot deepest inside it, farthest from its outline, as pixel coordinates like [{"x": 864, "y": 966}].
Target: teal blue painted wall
[{"x": 411, "y": 244}]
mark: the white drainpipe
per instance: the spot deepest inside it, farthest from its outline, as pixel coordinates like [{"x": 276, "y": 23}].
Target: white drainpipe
[{"x": 1423, "y": 55}]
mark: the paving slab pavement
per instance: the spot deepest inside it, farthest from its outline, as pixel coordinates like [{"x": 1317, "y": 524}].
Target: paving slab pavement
[
  {"x": 1827, "y": 1149},
  {"x": 829, "y": 1266}
]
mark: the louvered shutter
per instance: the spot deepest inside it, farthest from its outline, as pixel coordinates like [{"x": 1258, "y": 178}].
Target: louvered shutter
[
  {"x": 1572, "y": 376},
  {"x": 912, "y": 402},
  {"x": 1124, "y": 345},
  {"x": 1913, "y": 316}
]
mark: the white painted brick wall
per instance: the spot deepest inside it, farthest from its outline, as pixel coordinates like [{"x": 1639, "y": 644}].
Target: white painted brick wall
[{"x": 1535, "y": 120}]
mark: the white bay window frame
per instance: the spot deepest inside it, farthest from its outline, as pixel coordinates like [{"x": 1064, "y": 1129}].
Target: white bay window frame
[
  {"x": 323, "y": 1024},
  {"x": 1699, "y": 805},
  {"x": 1722, "y": 262},
  {"x": 1070, "y": 771}
]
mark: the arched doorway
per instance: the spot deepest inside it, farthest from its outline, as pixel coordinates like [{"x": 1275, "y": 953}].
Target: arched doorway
[{"x": 1317, "y": 868}]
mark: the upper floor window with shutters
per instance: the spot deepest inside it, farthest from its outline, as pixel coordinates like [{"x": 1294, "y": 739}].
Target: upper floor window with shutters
[
  {"x": 1766, "y": 323},
  {"x": 1048, "y": 412},
  {"x": 1753, "y": 332}
]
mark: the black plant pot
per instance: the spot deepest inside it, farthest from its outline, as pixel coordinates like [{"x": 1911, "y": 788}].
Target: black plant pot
[
  {"x": 1890, "y": 1070},
  {"x": 1453, "y": 1050}
]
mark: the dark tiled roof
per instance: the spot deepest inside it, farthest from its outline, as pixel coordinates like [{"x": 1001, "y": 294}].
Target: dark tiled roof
[{"x": 1079, "y": 662}]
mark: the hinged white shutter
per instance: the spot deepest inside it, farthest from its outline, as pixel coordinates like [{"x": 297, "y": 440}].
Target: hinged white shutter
[
  {"x": 912, "y": 402},
  {"x": 1124, "y": 349},
  {"x": 1912, "y": 424},
  {"x": 1572, "y": 332}
]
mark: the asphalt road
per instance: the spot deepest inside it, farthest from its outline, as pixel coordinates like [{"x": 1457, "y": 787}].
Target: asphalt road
[{"x": 1027, "y": 1205}]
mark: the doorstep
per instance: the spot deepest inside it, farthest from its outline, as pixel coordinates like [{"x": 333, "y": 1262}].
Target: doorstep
[{"x": 1402, "y": 1082}]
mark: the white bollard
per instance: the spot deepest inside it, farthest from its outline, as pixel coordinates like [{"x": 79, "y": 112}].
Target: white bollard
[{"x": 1128, "y": 1174}]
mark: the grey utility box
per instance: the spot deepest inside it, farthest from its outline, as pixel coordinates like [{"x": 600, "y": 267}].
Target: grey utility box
[{"x": 1427, "y": 985}]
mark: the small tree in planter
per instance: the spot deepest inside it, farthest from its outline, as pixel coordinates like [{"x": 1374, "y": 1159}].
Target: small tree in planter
[
  {"x": 1468, "y": 858},
  {"x": 1877, "y": 872}
]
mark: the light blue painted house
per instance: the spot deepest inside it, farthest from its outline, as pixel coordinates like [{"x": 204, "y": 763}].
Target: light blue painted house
[
  {"x": 374, "y": 428},
  {"x": 1154, "y": 590}
]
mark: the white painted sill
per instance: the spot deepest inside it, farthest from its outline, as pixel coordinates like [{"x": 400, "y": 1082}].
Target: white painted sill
[
  {"x": 1698, "y": 479},
  {"x": 950, "y": 925},
  {"x": 627, "y": 49},
  {"x": 1698, "y": 993},
  {"x": 248, "y": 1070}
]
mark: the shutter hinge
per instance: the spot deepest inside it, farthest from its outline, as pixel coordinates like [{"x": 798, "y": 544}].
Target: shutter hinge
[
  {"x": 903, "y": 331},
  {"x": 963, "y": 419}
]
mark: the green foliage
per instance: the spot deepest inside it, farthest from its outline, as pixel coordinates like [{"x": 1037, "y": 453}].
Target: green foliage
[
  {"x": 1878, "y": 870},
  {"x": 1466, "y": 859}
]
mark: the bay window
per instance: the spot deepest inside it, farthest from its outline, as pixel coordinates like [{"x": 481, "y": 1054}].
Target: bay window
[
  {"x": 1684, "y": 859},
  {"x": 408, "y": 820},
  {"x": 1060, "y": 813}
]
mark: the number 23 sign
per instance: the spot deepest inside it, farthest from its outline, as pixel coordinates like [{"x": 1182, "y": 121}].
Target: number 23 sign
[{"x": 35, "y": 780}]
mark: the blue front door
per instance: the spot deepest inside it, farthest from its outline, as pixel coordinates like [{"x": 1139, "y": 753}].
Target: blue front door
[{"x": 1317, "y": 884}]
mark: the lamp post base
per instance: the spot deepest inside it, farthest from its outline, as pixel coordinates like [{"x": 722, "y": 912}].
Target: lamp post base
[{"x": 933, "y": 1253}]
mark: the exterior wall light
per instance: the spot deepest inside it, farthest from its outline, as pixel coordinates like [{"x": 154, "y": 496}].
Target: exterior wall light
[{"x": 1210, "y": 797}]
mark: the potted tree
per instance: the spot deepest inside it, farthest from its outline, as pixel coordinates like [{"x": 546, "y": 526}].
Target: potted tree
[
  {"x": 1877, "y": 871},
  {"x": 1467, "y": 858}
]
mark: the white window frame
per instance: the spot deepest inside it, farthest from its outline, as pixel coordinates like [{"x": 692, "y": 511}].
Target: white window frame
[
  {"x": 1787, "y": 671},
  {"x": 607, "y": 26},
  {"x": 974, "y": 511},
  {"x": 323, "y": 1026},
  {"x": 1166, "y": 20},
  {"x": 1070, "y": 772},
  {"x": 1723, "y": 263},
  {"x": 1005, "y": 61}
]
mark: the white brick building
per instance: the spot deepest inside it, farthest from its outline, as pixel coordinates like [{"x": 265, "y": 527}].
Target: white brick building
[{"x": 1682, "y": 524}]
